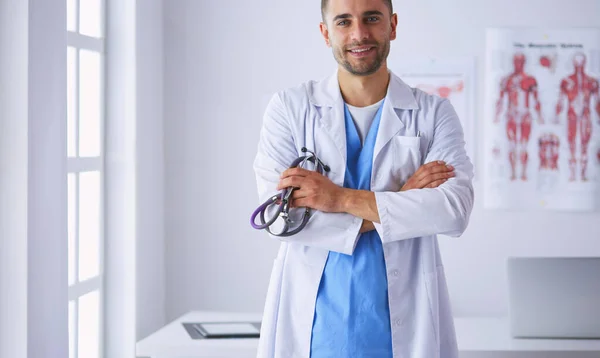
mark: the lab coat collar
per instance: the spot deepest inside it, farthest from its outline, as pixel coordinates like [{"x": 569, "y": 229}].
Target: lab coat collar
[{"x": 327, "y": 93}]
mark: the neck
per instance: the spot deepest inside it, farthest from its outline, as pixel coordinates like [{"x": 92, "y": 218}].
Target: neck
[{"x": 362, "y": 91}]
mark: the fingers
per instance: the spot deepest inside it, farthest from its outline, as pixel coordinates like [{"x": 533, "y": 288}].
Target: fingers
[
  {"x": 431, "y": 164},
  {"x": 432, "y": 168},
  {"x": 433, "y": 173},
  {"x": 295, "y": 172},
  {"x": 293, "y": 177},
  {"x": 293, "y": 181},
  {"x": 299, "y": 194},
  {"x": 436, "y": 183},
  {"x": 423, "y": 183},
  {"x": 442, "y": 168}
]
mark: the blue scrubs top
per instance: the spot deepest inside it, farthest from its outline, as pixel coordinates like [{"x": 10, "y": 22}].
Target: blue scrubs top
[{"x": 352, "y": 317}]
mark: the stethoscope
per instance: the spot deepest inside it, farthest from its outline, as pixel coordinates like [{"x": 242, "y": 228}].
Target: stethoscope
[{"x": 283, "y": 210}]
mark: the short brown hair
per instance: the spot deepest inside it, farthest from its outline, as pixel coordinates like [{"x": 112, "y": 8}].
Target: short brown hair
[{"x": 324, "y": 3}]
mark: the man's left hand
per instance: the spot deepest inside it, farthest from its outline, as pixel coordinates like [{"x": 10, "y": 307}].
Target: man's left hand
[{"x": 313, "y": 190}]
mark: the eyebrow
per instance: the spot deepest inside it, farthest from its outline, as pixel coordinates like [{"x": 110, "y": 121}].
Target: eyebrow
[{"x": 365, "y": 14}]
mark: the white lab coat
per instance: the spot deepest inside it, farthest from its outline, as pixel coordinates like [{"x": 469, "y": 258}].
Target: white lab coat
[{"x": 312, "y": 116}]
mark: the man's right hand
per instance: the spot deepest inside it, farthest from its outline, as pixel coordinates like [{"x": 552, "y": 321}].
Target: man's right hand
[{"x": 430, "y": 175}]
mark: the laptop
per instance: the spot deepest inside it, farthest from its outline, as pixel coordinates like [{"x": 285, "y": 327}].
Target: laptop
[{"x": 554, "y": 297}]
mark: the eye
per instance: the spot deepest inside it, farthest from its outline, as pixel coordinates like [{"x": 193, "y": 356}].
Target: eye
[
  {"x": 372, "y": 19},
  {"x": 342, "y": 23}
]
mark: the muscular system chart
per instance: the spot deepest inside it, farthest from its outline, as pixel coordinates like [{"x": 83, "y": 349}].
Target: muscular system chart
[{"x": 542, "y": 122}]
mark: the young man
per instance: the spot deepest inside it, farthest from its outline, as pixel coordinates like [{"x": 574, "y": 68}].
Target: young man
[{"x": 364, "y": 278}]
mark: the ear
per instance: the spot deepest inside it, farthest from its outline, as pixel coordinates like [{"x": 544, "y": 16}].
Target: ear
[
  {"x": 394, "y": 25},
  {"x": 325, "y": 33}
]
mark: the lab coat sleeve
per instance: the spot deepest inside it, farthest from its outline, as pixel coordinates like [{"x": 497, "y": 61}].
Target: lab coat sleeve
[
  {"x": 277, "y": 149},
  {"x": 442, "y": 210}
]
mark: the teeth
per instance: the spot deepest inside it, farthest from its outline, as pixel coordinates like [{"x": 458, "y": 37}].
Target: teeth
[{"x": 363, "y": 50}]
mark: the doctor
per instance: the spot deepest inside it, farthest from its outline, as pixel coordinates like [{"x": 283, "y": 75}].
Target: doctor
[{"x": 365, "y": 277}]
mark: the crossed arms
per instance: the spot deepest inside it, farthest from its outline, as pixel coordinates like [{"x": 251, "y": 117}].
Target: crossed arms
[
  {"x": 436, "y": 200},
  {"x": 317, "y": 192}
]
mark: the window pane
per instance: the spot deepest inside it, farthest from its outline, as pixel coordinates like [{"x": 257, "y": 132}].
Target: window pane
[
  {"x": 72, "y": 326},
  {"x": 71, "y": 100},
  {"x": 89, "y": 103},
  {"x": 89, "y": 326},
  {"x": 72, "y": 15},
  {"x": 89, "y": 225},
  {"x": 71, "y": 223},
  {"x": 90, "y": 17}
]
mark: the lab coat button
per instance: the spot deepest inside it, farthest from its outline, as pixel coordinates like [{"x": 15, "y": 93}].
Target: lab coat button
[
  {"x": 395, "y": 272},
  {"x": 398, "y": 322}
]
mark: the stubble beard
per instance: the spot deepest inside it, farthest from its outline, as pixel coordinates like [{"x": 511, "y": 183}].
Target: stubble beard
[{"x": 363, "y": 68}]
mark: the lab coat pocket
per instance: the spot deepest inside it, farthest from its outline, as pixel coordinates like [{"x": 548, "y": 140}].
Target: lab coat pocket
[
  {"x": 407, "y": 157},
  {"x": 441, "y": 314}
]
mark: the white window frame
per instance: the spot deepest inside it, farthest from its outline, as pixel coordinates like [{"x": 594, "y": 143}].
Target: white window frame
[{"x": 78, "y": 165}]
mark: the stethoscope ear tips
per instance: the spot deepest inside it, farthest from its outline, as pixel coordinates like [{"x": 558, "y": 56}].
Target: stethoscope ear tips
[
  {"x": 304, "y": 150},
  {"x": 327, "y": 169}
]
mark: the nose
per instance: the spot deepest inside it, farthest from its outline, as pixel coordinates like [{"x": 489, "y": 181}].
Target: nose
[{"x": 360, "y": 32}]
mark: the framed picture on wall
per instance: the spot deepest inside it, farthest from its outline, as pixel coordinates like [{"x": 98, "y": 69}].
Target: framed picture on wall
[{"x": 448, "y": 77}]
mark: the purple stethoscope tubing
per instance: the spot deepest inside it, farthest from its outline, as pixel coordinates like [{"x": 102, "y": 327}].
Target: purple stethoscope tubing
[{"x": 283, "y": 196}]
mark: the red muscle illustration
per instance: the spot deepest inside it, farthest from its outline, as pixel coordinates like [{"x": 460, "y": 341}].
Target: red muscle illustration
[
  {"x": 545, "y": 61},
  {"x": 548, "y": 151},
  {"x": 548, "y": 62},
  {"x": 578, "y": 90},
  {"x": 519, "y": 88},
  {"x": 442, "y": 91}
]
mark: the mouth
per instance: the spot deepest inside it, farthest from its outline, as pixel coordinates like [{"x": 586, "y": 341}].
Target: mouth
[{"x": 362, "y": 51}]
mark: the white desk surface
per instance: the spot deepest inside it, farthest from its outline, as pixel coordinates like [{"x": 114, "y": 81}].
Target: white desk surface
[
  {"x": 173, "y": 340},
  {"x": 488, "y": 335},
  {"x": 493, "y": 335}
]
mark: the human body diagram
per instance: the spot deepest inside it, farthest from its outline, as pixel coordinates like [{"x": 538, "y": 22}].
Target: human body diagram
[
  {"x": 578, "y": 93},
  {"x": 521, "y": 91},
  {"x": 519, "y": 100}
]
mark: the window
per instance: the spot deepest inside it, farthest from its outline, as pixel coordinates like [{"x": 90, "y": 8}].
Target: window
[{"x": 85, "y": 127}]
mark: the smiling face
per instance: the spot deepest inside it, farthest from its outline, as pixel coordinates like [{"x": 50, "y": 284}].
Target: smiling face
[{"x": 359, "y": 33}]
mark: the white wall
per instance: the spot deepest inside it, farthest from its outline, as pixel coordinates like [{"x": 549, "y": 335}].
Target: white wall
[
  {"x": 47, "y": 235},
  {"x": 14, "y": 27},
  {"x": 150, "y": 304},
  {"x": 33, "y": 186},
  {"x": 223, "y": 60}
]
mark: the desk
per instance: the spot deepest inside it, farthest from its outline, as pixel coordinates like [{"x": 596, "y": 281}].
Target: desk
[
  {"x": 173, "y": 341},
  {"x": 477, "y": 338},
  {"x": 490, "y": 338}
]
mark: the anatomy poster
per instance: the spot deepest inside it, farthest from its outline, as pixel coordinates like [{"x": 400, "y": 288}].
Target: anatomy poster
[
  {"x": 542, "y": 122},
  {"x": 451, "y": 78}
]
